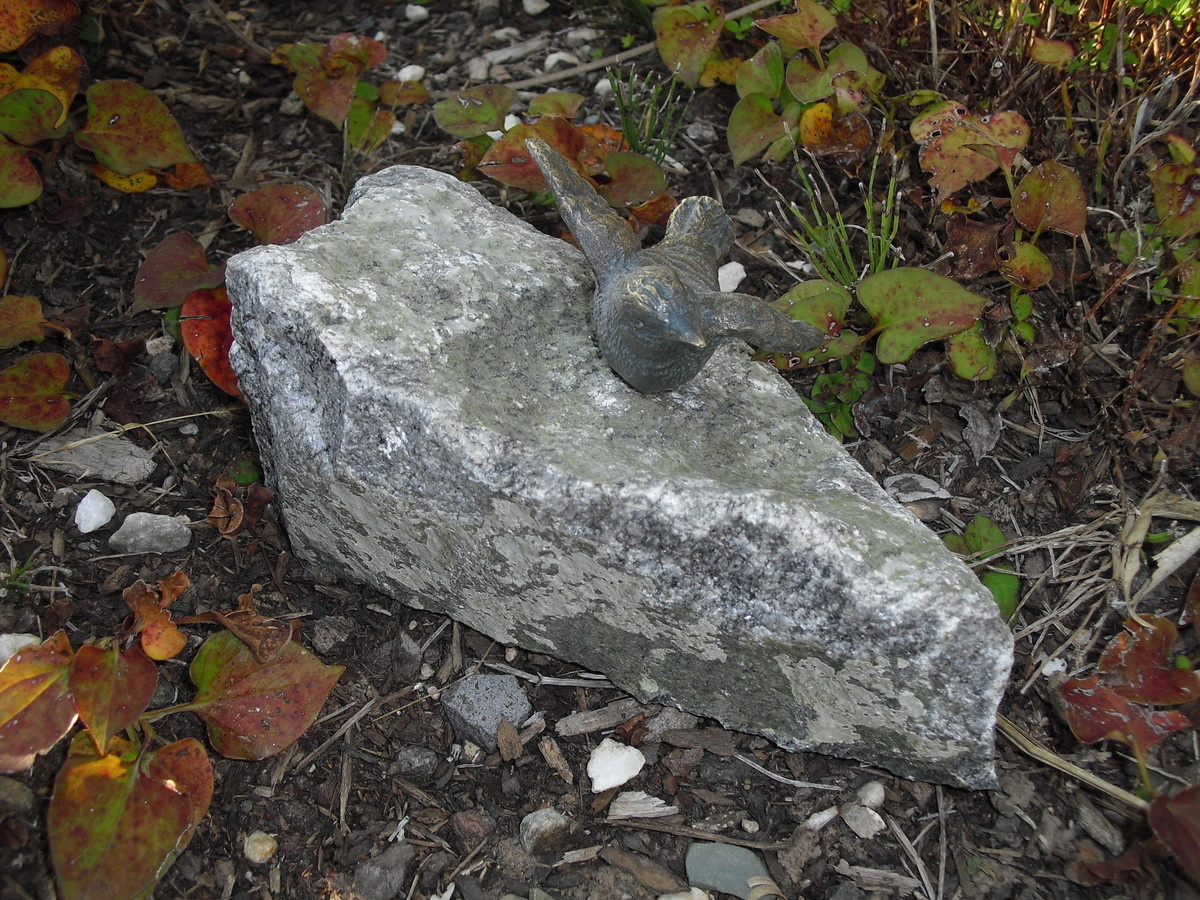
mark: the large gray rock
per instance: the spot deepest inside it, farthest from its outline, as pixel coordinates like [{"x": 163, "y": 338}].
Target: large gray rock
[{"x": 435, "y": 417}]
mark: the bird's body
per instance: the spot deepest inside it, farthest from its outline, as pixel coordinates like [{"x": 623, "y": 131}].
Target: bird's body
[{"x": 659, "y": 313}]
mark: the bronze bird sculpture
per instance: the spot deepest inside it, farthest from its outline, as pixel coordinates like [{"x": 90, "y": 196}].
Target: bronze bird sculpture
[{"x": 659, "y": 312}]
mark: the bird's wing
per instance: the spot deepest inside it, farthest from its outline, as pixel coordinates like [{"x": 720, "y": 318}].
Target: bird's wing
[
  {"x": 605, "y": 239},
  {"x": 754, "y": 321}
]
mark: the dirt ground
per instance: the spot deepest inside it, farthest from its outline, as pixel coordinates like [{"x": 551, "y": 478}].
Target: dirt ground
[{"x": 1068, "y": 451}]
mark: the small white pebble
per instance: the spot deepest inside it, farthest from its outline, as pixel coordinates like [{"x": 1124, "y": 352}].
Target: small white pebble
[
  {"x": 415, "y": 13},
  {"x": 511, "y": 121},
  {"x": 750, "y": 826},
  {"x": 577, "y": 37},
  {"x": 730, "y": 275},
  {"x": 411, "y": 73},
  {"x": 560, "y": 57},
  {"x": 1054, "y": 667},
  {"x": 819, "y": 820},
  {"x": 612, "y": 764},
  {"x": 866, "y": 823},
  {"x": 478, "y": 68},
  {"x": 871, "y": 795},
  {"x": 259, "y": 847},
  {"x": 603, "y": 88},
  {"x": 94, "y": 511},
  {"x": 535, "y": 7}
]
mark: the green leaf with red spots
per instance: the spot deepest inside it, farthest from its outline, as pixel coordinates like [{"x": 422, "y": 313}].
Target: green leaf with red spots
[
  {"x": 474, "y": 111},
  {"x": 803, "y": 29},
  {"x": 1140, "y": 666},
  {"x": 325, "y": 80},
  {"x": 556, "y": 103},
  {"x": 912, "y": 307},
  {"x": 687, "y": 37},
  {"x": 20, "y": 183},
  {"x": 1025, "y": 265},
  {"x": 58, "y": 72},
  {"x": 1175, "y": 819},
  {"x": 508, "y": 160},
  {"x": 633, "y": 179},
  {"x": 21, "y": 320},
  {"x": 253, "y": 710},
  {"x": 367, "y": 52},
  {"x": 204, "y": 324},
  {"x": 949, "y": 135},
  {"x": 1096, "y": 711},
  {"x": 130, "y": 129},
  {"x": 1050, "y": 53},
  {"x": 111, "y": 689},
  {"x": 31, "y": 115},
  {"x": 116, "y": 822},
  {"x": 33, "y": 392},
  {"x": 22, "y": 20},
  {"x": 1051, "y": 196},
  {"x": 174, "y": 267},
  {"x": 1176, "y": 189},
  {"x": 403, "y": 93},
  {"x": 824, "y": 305},
  {"x": 970, "y": 356},
  {"x": 278, "y": 214},
  {"x": 36, "y": 709}
]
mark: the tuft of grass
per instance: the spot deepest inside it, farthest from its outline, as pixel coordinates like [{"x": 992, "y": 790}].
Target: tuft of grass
[
  {"x": 651, "y": 109},
  {"x": 830, "y": 244}
]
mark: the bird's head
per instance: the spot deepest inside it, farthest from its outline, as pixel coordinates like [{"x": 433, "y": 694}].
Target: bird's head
[{"x": 656, "y": 306}]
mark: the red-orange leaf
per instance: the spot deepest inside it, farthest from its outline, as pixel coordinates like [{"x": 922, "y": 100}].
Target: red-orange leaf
[
  {"x": 1140, "y": 667},
  {"x": 130, "y": 129},
  {"x": 204, "y": 323},
  {"x": 151, "y": 621},
  {"x": 20, "y": 20},
  {"x": 279, "y": 214},
  {"x": 32, "y": 392},
  {"x": 111, "y": 689},
  {"x": 116, "y": 822},
  {"x": 253, "y": 710},
  {"x": 35, "y": 702},
  {"x": 186, "y": 765},
  {"x": 173, "y": 268},
  {"x": 1097, "y": 712},
  {"x": 1176, "y": 821}
]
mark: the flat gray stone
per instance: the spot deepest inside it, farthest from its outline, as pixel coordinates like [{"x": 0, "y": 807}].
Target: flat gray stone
[
  {"x": 436, "y": 420},
  {"x": 150, "y": 533},
  {"x": 476, "y": 705}
]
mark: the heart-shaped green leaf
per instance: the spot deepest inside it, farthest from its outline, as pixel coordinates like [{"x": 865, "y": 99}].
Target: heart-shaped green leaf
[
  {"x": 30, "y": 115},
  {"x": 803, "y": 29},
  {"x": 912, "y": 307},
  {"x": 970, "y": 356},
  {"x": 1050, "y": 53},
  {"x": 556, "y": 103},
  {"x": 686, "y": 37},
  {"x": 20, "y": 183},
  {"x": 36, "y": 709},
  {"x": 1176, "y": 188},
  {"x": 1051, "y": 196},
  {"x": 111, "y": 689},
  {"x": 753, "y": 127},
  {"x": 474, "y": 111},
  {"x": 762, "y": 73},
  {"x": 33, "y": 392},
  {"x": 953, "y": 140},
  {"x": 130, "y": 129},
  {"x": 368, "y": 125},
  {"x": 253, "y": 710},
  {"x": 633, "y": 179},
  {"x": 21, "y": 320},
  {"x": 1025, "y": 266},
  {"x": 115, "y": 822}
]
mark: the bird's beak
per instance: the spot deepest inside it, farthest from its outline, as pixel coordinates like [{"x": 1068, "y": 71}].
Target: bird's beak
[{"x": 687, "y": 336}]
